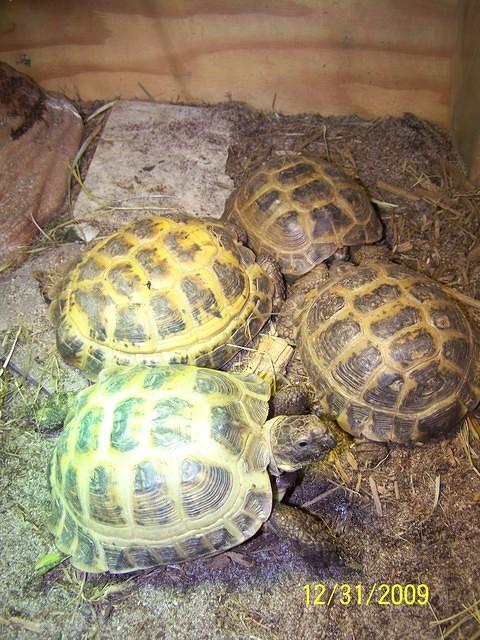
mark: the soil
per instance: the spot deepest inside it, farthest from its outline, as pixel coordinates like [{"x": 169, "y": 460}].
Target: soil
[{"x": 407, "y": 517}]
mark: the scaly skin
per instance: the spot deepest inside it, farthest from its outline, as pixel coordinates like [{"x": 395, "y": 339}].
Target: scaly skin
[
  {"x": 51, "y": 411},
  {"x": 297, "y": 300},
  {"x": 294, "y": 442},
  {"x": 297, "y": 440},
  {"x": 271, "y": 268},
  {"x": 307, "y": 532},
  {"x": 266, "y": 261},
  {"x": 293, "y": 399}
]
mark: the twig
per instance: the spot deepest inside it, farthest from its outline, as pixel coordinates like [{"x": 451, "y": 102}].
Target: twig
[
  {"x": 436, "y": 495},
  {"x": 398, "y": 191},
  {"x": 100, "y": 110},
  {"x": 375, "y": 496},
  {"x": 462, "y": 297},
  {"x": 327, "y": 150},
  {"x": 7, "y": 358},
  {"x": 321, "y": 496},
  {"x": 43, "y": 233}
]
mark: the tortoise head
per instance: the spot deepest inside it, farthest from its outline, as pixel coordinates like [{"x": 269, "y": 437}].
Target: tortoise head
[{"x": 298, "y": 440}]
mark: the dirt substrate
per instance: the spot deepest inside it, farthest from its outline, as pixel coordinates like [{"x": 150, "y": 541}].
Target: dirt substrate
[{"x": 410, "y": 519}]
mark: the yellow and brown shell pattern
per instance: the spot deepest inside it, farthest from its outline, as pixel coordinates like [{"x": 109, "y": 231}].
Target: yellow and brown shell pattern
[
  {"x": 161, "y": 290},
  {"x": 160, "y": 466},
  {"x": 301, "y": 211},
  {"x": 392, "y": 356}
]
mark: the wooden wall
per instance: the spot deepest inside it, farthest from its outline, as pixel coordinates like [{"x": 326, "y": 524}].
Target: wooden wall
[
  {"x": 466, "y": 96},
  {"x": 370, "y": 57}
]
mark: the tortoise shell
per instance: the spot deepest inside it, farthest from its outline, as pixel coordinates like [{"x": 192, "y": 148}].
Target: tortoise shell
[
  {"x": 391, "y": 354},
  {"x": 301, "y": 211},
  {"x": 160, "y": 466},
  {"x": 158, "y": 291}
]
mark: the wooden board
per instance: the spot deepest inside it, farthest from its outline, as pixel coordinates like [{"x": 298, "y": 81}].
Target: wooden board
[
  {"x": 466, "y": 97},
  {"x": 370, "y": 57}
]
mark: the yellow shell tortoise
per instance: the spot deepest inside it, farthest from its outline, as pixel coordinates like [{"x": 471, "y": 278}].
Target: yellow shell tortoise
[
  {"x": 164, "y": 465},
  {"x": 162, "y": 290}
]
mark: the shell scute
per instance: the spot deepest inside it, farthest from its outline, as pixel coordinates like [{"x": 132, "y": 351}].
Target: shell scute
[
  {"x": 157, "y": 378},
  {"x": 86, "y": 549},
  {"x": 386, "y": 392},
  {"x": 397, "y": 321},
  {"x": 69, "y": 530},
  {"x": 203, "y": 487},
  {"x": 292, "y": 174},
  {"x": 71, "y": 489},
  {"x": 87, "y": 439},
  {"x": 232, "y": 436},
  {"x": 127, "y": 414},
  {"x": 103, "y": 497},
  {"x": 152, "y": 504}
]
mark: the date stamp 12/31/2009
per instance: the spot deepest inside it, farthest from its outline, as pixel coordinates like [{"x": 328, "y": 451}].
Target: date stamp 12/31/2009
[{"x": 318, "y": 594}]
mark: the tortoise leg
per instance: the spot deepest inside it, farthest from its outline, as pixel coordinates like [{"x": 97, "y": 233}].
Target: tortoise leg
[
  {"x": 51, "y": 411},
  {"x": 371, "y": 253},
  {"x": 360, "y": 255},
  {"x": 293, "y": 399},
  {"x": 299, "y": 295},
  {"x": 313, "y": 280},
  {"x": 266, "y": 261},
  {"x": 236, "y": 231},
  {"x": 307, "y": 532},
  {"x": 272, "y": 269}
]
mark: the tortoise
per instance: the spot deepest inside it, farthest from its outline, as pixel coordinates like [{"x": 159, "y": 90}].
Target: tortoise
[
  {"x": 302, "y": 210},
  {"x": 168, "y": 464},
  {"x": 162, "y": 290},
  {"x": 390, "y": 354}
]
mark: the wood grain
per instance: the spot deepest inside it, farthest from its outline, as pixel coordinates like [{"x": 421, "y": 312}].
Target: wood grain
[
  {"x": 370, "y": 57},
  {"x": 466, "y": 95}
]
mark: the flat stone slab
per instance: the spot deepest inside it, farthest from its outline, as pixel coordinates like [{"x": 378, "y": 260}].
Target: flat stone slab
[{"x": 156, "y": 158}]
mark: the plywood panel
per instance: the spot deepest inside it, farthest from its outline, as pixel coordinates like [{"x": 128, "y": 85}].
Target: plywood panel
[
  {"x": 466, "y": 107},
  {"x": 371, "y": 57}
]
